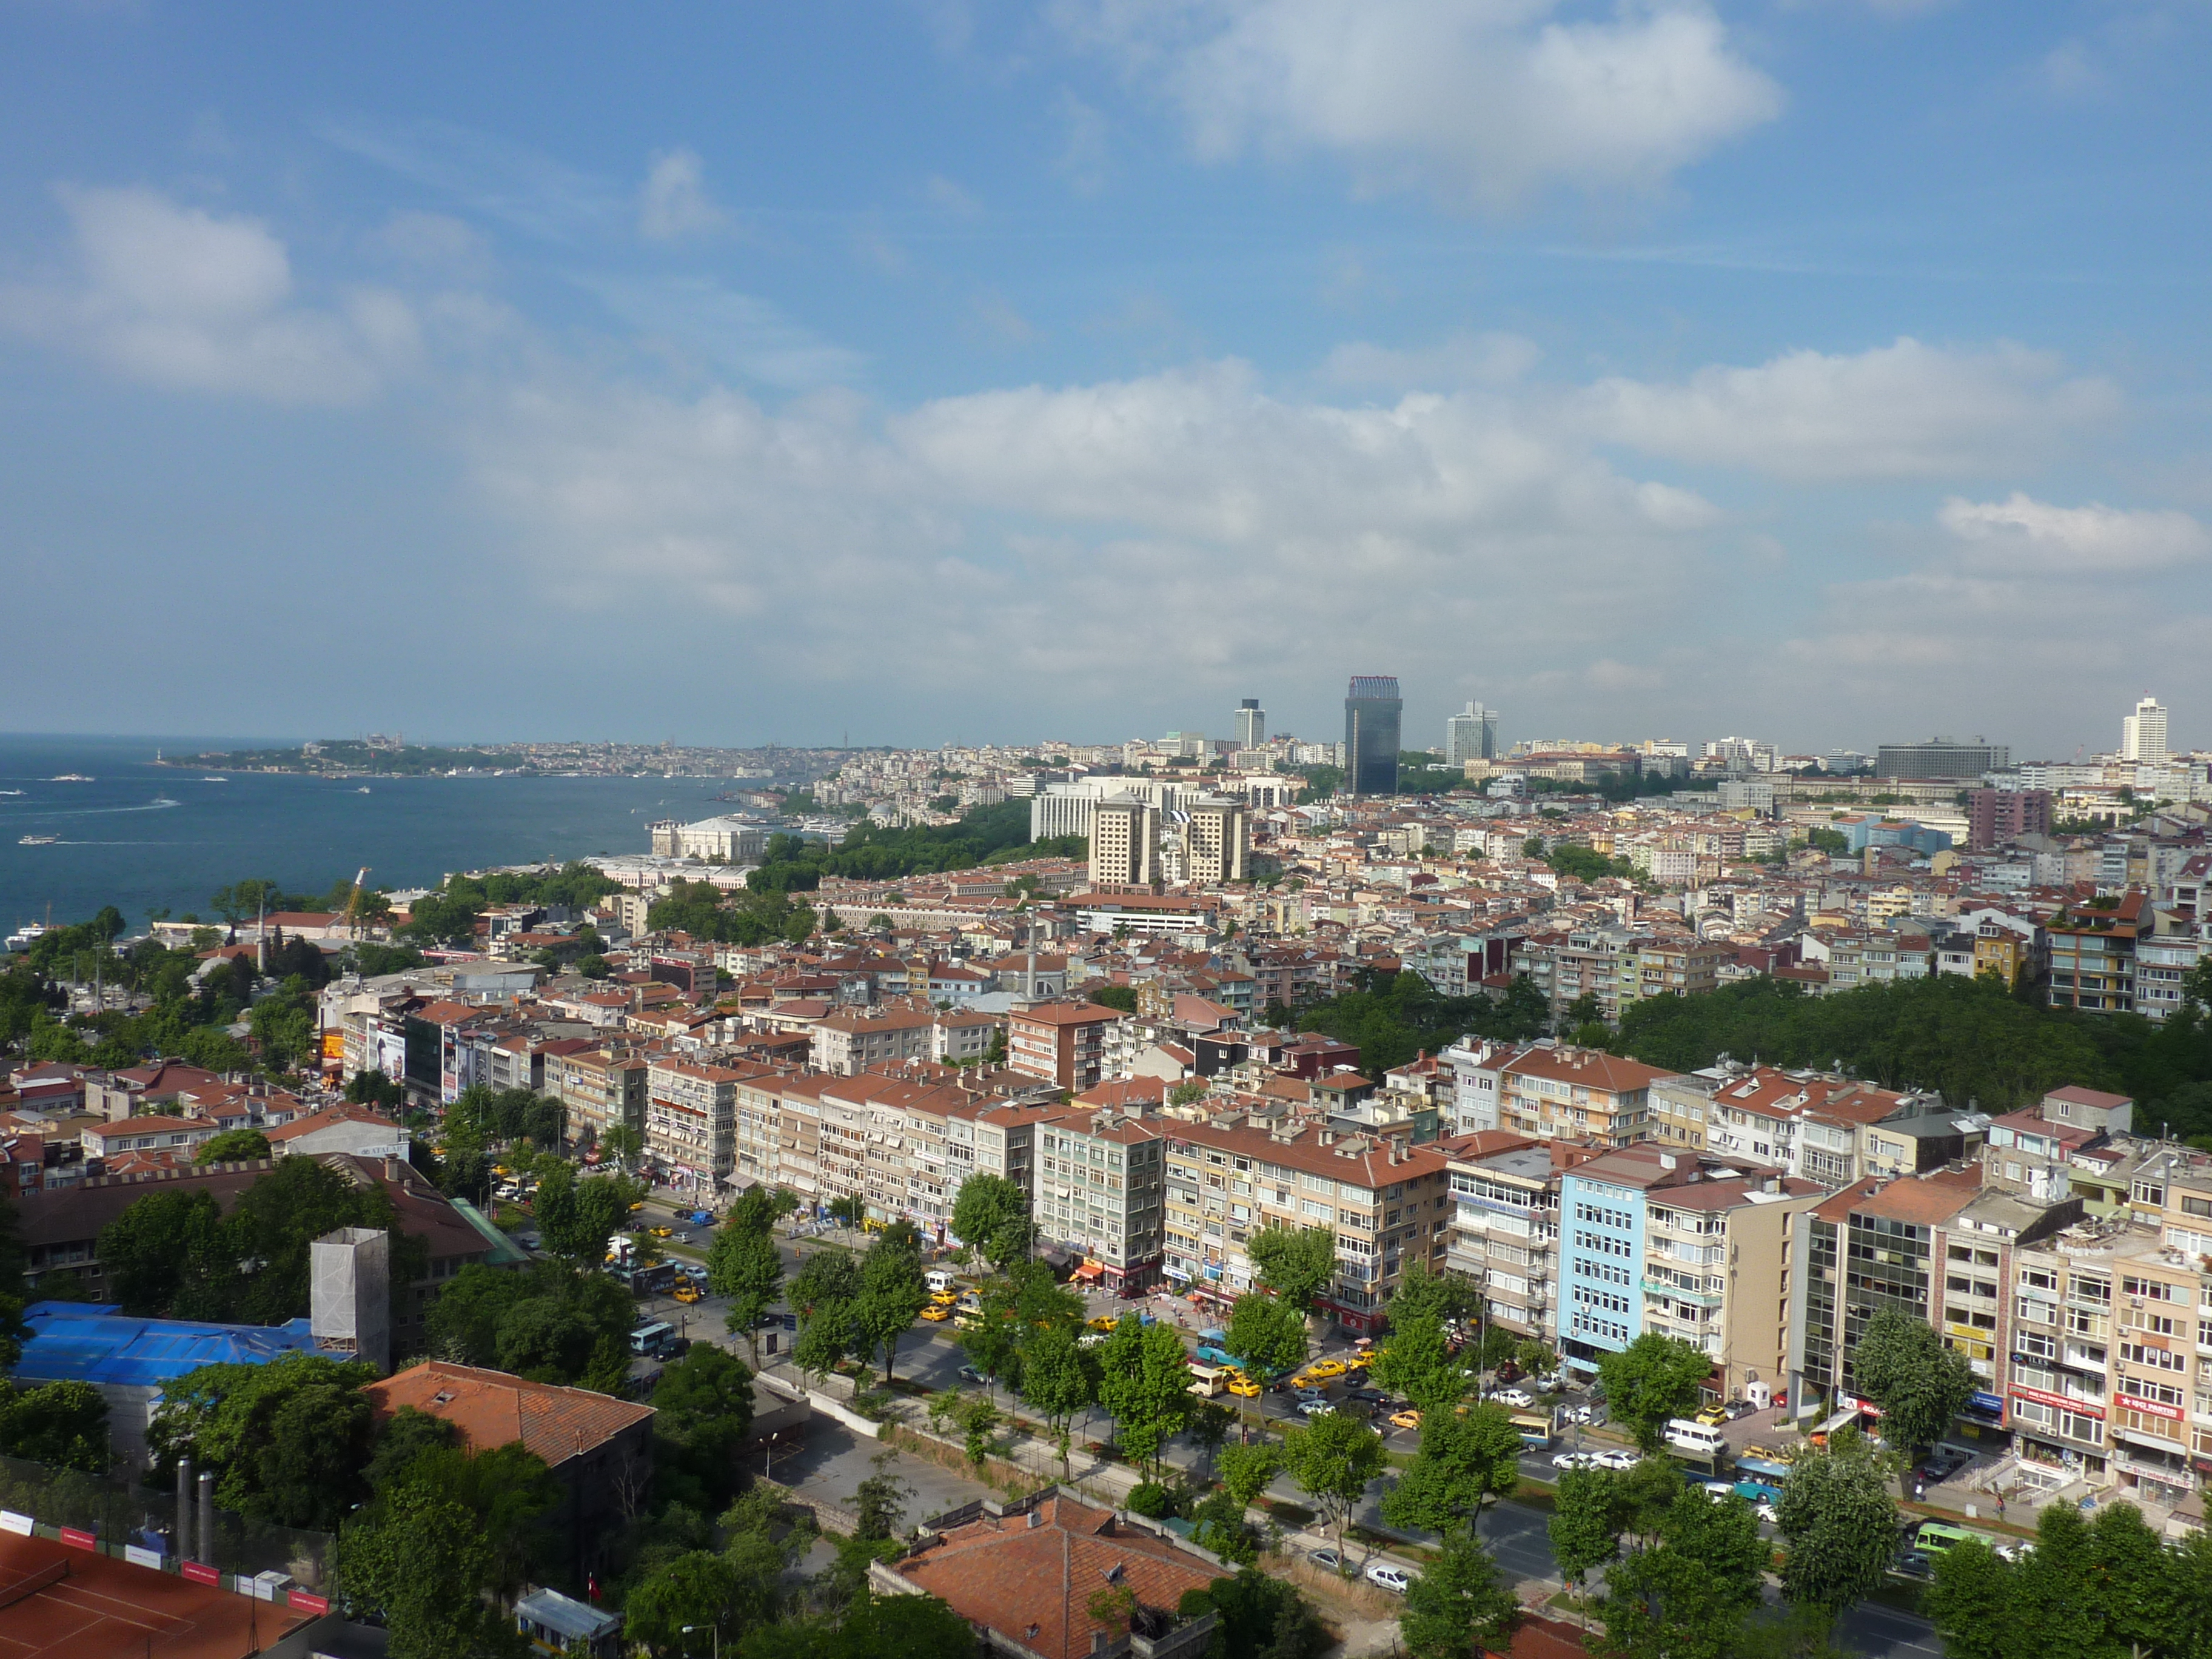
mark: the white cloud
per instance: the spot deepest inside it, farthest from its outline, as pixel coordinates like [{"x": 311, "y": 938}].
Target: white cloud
[
  {"x": 183, "y": 298},
  {"x": 1486, "y": 101},
  {"x": 1902, "y": 410},
  {"x": 673, "y": 202},
  {"x": 1189, "y": 517},
  {"x": 2023, "y": 536}
]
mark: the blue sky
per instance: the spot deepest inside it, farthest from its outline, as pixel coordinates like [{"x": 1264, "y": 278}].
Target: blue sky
[{"x": 1822, "y": 370}]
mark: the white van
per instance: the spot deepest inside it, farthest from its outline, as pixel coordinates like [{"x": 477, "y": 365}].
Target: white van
[
  {"x": 941, "y": 1278},
  {"x": 1695, "y": 1438}
]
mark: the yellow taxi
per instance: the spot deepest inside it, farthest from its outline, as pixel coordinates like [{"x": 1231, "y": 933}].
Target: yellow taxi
[
  {"x": 661, "y": 1232},
  {"x": 635, "y": 1207},
  {"x": 943, "y": 1298},
  {"x": 1103, "y": 1323},
  {"x": 1244, "y": 1387},
  {"x": 1712, "y": 1417},
  {"x": 1358, "y": 1362},
  {"x": 936, "y": 1311},
  {"x": 1408, "y": 1419},
  {"x": 1325, "y": 1370},
  {"x": 687, "y": 1293}
]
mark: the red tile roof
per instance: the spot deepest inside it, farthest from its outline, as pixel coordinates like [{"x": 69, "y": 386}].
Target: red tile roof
[
  {"x": 1030, "y": 1576},
  {"x": 491, "y": 1408}
]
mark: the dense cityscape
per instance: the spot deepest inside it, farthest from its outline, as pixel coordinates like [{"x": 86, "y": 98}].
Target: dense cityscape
[{"x": 1640, "y": 1197}]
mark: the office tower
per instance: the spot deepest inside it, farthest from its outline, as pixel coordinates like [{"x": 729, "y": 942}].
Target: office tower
[
  {"x": 2142, "y": 734},
  {"x": 1940, "y": 758},
  {"x": 1251, "y": 724},
  {"x": 1371, "y": 734},
  {"x": 1471, "y": 735},
  {"x": 1216, "y": 836},
  {"x": 1125, "y": 844}
]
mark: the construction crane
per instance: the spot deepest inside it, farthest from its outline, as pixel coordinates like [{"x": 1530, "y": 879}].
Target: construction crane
[{"x": 351, "y": 920}]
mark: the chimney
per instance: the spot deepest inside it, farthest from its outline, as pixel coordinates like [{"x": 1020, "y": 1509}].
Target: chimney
[
  {"x": 184, "y": 1529},
  {"x": 205, "y": 1531},
  {"x": 395, "y": 1168}
]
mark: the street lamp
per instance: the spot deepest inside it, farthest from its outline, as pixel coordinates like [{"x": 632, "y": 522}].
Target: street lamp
[{"x": 715, "y": 1630}]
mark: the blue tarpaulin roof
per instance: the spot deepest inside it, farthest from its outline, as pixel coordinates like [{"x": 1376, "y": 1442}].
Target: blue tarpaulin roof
[{"x": 82, "y": 1342}]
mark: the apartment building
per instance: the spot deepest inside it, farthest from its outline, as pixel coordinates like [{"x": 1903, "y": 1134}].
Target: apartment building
[
  {"x": 2038, "y": 1150},
  {"x": 855, "y": 1039},
  {"x": 798, "y": 1136},
  {"x": 691, "y": 1120},
  {"x": 1125, "y": 845},
  {"x": 1064, "y": 1043},
  {"x": 1683, "y": 1245},
  {"x": 962, "y": 1035},
  {"x": 756, "y": 1137},
  {"x": 987, "y": 1135},
  {"x": 1216, "y": 840},
  {"x": 600, "y": 1089},
  {"x": 1505, "y": 1224},
  {"x": 1099, "y": 1179},
  {"x": 1390, "y": 1202},
  {"x": 1563, "y": 1091},
  {"x": 1672, "y": 967},
  {"x": 1831, "y": 1129},
  {"x": 2093, "y": 954}
]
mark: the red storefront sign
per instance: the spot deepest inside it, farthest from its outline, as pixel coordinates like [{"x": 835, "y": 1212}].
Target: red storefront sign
[
  {"x": 2149, "y": 1408},
  {"x": 2021, "y": 1391}
]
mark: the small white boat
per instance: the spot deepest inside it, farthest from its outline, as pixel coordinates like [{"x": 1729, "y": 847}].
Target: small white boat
[
  {"x": 72, "y": 777},
  {"x": 37, "y": 840},
  {"x": 10, "y": 791},
  {"x": 362, "y": 790},
  {"x": 215, "y": 780}
]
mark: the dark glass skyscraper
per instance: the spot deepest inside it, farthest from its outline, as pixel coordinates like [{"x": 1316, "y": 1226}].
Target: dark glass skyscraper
[{"x": 1371, "y": 735}]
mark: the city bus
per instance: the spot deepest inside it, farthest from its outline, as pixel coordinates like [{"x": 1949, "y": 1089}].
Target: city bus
[{"x": 1536, "y": 1429}]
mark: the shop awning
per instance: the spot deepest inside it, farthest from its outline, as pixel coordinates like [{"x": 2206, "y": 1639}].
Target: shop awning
[{"x": 1089, "y": 1270}]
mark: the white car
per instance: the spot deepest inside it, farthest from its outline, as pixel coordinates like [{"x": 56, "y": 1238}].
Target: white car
[
  {"x": 1389, "y": 1577},
  {"x": 2015, "y": 1552},
  {"x": 1617, "y": 1459},
  {"x": 1767, "y": 1512},
  {"x": 1574, "y": 1459},
  {"x": 1718, "y": 1491},
  {"x": 1520, "y": 1399},
  {"x": 1316, "y": 1407}
]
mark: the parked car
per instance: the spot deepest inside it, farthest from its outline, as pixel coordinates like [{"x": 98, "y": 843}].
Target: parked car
[
  {"x": 1327, "y": 1560},
  {"x": 1574, "y": 1459},
  {"x": 1913, "y": 1565},
  {"x": 1509, "y": 1372},
  {"x": 1577, "y": 1414},
  {"x": 1712, "y": 1416},
  {"x": 1944, "y": 1462},
  {"x": 1520, "y": 1399},
  {"x": 1616, "y": 1460},
  {"x": 1385, "y": 1576}
]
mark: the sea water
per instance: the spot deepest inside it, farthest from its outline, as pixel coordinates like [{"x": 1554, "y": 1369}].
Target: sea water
[{"x": 142, "y": 835}]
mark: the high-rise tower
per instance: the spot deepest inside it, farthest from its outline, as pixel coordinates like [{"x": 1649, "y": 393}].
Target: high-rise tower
[
  {"x": 1371, "y": 734},
  {"x": 2142, "y": 734},
  {"x": 1471, "y": 735},
  {"x": 1251, "y": 724}
]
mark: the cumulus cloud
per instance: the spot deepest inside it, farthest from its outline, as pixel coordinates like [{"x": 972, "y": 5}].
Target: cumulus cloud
[
  {"x": 673, "y": 202},
  {"x": 1902, "y": 410},
  {"x": 1485, "y": 101},
  {"x": 2022, "y": 535},
  {"x": 1076, "y": 520},
  {"x": 186, "y": 299}
]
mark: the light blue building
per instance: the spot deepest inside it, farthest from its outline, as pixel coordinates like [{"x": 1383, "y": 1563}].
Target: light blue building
[
  {"x": 1871, "y": 830},
  {"x": 1600, "y": 1255}
]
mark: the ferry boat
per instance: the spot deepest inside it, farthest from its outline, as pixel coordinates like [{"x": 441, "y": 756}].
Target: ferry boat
[
  {"x": 37, "y": 840},
  {"x": 29, "y": 934},
  {"x": 72, "y": 777}
]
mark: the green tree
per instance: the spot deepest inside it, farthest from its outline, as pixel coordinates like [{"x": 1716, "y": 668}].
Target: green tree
[
  {"x": 745, "y": 1264},
  {"x": 1059, "y": 1379},
  {"x": 1266, "y": 1335},
  {"x": 1660, "y": 1604},
  {"x": 1144, "y": 1384},
  {"x": 1332, "y": 1458},
  {"x": 1970, "y": 1603},
  {"x": 61, "y": 1424},
  {"x": 1652, "y": 1379},
  {"x": 1246, "y": 1470},
  {"x": 2057, "y": 1595},
  {"x": 1297, "y": 1263},
  {"x": 232, "y": 1146},
  {"x": 507, "y": 1489},
  {"x": 288, "y": 1440},
  {"x": 1258, "y": 1617},
  {"x": 1920, "y": 1382},
  {"x": 1840, "y": 1523},
  {"x": 2134, "y": 1574},
  {"x": 1586, "y": 1523},
  {"x": 1459, "y": 1607},
  {"x": 893, "y": 1292},
  {"x": 704, "y": 1406},
  {"x": 1463, "y": 1462},
  {"x": 992, "y": 1214},
  {"x": 697, "y": 1591},
  {"x": 419, "y": 1559},
  {"x": 577, "y": 1217},
  {"x": 164, "y": 1256}
]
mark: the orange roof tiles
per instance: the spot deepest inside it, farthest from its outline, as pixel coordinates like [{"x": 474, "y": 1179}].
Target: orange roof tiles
[{"x": 491, "y": 1408}]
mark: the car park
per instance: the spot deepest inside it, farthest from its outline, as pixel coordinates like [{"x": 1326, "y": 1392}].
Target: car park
[{"x": 1385, "y": 1576}]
